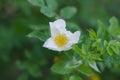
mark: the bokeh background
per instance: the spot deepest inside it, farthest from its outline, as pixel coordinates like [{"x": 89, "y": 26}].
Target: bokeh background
[{"x": 24, "y": 58}]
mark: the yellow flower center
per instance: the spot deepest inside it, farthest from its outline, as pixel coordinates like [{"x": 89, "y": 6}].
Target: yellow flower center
[{"x": 61, "y": 40}]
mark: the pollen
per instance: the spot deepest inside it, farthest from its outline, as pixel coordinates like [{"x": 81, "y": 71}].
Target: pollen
[{"x": 61, "y": 40}]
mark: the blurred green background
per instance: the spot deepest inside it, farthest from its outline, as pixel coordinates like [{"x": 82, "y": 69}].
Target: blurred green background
[{"x": 23, "y": 58}]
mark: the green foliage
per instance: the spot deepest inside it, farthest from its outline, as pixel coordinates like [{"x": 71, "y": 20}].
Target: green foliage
[
  {"x": 47, "y": 11},
  {"x": 23, "y": 57},
  {"x": 73, "y": 77},
  {"x": 31, "y": 68},
  {"x": 39, "y": 35},
  {"x": 23, "y": 77},
  {"x": 68, "y": 12},
  {"x": 52, "y": 4},
  {"x": 60, "y": 67},
  {"x": 84, "y": 69},
  {"x": 114, "y": 28},
  {"x": 39, "y": 3}
]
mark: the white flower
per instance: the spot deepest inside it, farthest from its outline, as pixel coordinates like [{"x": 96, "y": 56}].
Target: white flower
[{"x": 61, "y": 39}]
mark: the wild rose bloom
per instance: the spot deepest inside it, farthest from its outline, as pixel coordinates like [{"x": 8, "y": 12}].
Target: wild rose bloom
[{"x": 61, "y": 39}]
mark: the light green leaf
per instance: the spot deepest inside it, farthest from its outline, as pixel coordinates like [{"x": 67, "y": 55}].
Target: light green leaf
[
  {"x": 85, "y": 48},
  {"x": 96, "y": 43},
  {"x": 73, "y": 64},
  {"x": 39, "y": 3},
  {"x": 74, "y": 77},
  {"x": 60, "y": 68},
  {"x": 47, "y": 12},
  {"x": 114, "y": 28},
  {"x": 92, "y": 34},
  {"x": 105, "y": 43},
  {"x": 93, "y": 65},
  {"x": 114, "y": 22},
  {"x": 68, "y": 12},
  {"x": 78, "y": 50}
]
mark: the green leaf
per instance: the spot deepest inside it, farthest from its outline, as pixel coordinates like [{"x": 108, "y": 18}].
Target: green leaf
[
  {"x": 86, "y": 70},
  {"x": 68, "y": 12},
  {"x": 34, "y": 70},
  {"x": 85, "y": 48},
  {"x": 60, "y": 68},
  {"x": 73, "y": 26},
  {"x": 74, "y": 77},
  {"x": 39, "y": 35},
  {"x": 110, "y": 51},
  {"x": 101, "y": 29},
  {"x": 78, "y": 50},
  {"x": 47, "y": 12},
  {"x": 39, "y": 3},
  {"x": 29, "y": 67},
  {"x": 23, "y": 77},
  {"x": 94, "y": 56},
  {"x": 52, "y": 4},
  {"x": 115, "y": 59},
  {"x": 28, "y": 54},
  {"x": 115, "y": 49},
  {"x": 21, "y": 65},
  {"x": 114, "y": 28},
  {"x": 73, "y": 64},
  {"x": 92, "y": 34},
  {"x": 96, "y": 43},
  {"x": 39, "y": 27},
  {"x": 105, "y": 43},
  {"x": 94, "y": 66}
]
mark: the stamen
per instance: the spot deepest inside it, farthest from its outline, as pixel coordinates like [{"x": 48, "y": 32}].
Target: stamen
[{"x": 61, "y": 40}]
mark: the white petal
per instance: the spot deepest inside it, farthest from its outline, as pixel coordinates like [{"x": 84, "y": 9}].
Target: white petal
[
  {"x": 60, "y": 23},
  {"x": 51, "y": 45},
  {"x": 65, "y": 48},
  {"x": 75, "y": 36},
  {"x": 68, "y": 46},
  {"x": 57, "y": 27},
  {"x": 54, "y": 31}
]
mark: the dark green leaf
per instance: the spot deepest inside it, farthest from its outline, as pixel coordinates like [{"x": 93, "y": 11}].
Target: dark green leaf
[
  {"x": 39, "y": 35},
  {"x": 74, "y": 77},
  {"x": 101, "y": 29},
  {"x": 68, "y": 12},
  {"x": 23, "y": 77},
  {"x": 47, "y": 12},
  {"x": 39, "y": 3},
  {"x": 60, "y": 68},
  {"x": 52, "y": 4}
]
